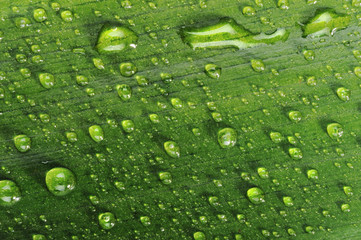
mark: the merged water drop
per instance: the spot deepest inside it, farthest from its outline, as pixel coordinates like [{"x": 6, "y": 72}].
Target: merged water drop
[{"x": 227, "y": 33}]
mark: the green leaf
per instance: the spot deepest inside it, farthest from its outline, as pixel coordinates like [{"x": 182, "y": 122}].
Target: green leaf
[{"x": 158, "y": 140}]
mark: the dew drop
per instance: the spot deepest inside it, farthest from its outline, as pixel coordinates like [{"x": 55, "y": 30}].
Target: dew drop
[
  {"x": 335, "y": 130},
  {"x": 60, "y": 181},
  {"x": 128, "y": 126},
  {"x": 288, "y": 201},
  {"x": 249, "y": 11},
  {"x": 124, "y": 91},
  {"x": 127, "y": 69},
  {"x": 67, "y": 16},
  {"x": 172, "y": 149},
  {"x": 22, "y": 143},
  {"x": 295, "y": 116},
  {"x": 295, "y": 153},
  {"x": 343, "y": 94},
  {"x": 257, "y": 65},
  {"x": 227, "y": 137},
  {"x": 165, "y": 177},
  {"x": 115, "y": 38},
  {"x": 96, "y": 133},
  {"x": 106, "y": 220},
  {"x": 47, "y": 80},
  {"x": 255, "y": 195},
  {"x": 9, "y": 193},
  {"x": 312, "y": 174},
  {"x": 276, "y": 137},
  {"x": 212, "y": 70},
  {"x": 40, "y": 15},
  {"x": 309, "y": 55},
  {"x": 199, "y": 236},
  {"x": 145, "y": 220}
]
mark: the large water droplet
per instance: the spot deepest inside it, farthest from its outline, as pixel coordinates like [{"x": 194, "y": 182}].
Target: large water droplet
[
  {"x": 115, "y": 38},
  {"x": 227, "y": 137},
  {"x": 106, "y": 220},
  {"x": 60, "y": 181},
  {"x": 127, "y": 69},
  {"x": 9, "y": 193}
]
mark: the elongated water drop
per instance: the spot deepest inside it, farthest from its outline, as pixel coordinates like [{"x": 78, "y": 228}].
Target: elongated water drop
[
  {"x": 115, "y": 38},
  {"x": 60, "y": 181},
  {"x": 326, "y": 22},
  {"x": 9, "y": 193},
  {"x": 227, "y": 137},
  {"x": 22, "y": 143},
  {"x": 227, "y": 33},
  {"x": 96, "y": 133}
]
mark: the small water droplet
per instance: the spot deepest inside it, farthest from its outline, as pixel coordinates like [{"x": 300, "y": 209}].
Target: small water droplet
[
  {"x": 257, "y": 65},
  {"x": 344, "y": 94},
  {"x": 288, "y": 201},
  {"x": 128, "y": 126},
  {"x": 165, "y": 177},
  {"x": 276, "y": 137},
  {"x": 295, "y": 116},
  {"x": 47, "y": 80},
  {"x": 124, "y": 91},
  {"x": 40, "y": 15},
  {"x": 295, "y": 153},
  {"x": 127, "y": 69}
]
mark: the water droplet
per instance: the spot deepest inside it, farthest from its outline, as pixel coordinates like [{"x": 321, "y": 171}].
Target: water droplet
[
  {"x": 295, "y": 116},
  {"x": 217, "y": 117},
  {"x": 145, "y": 220},
  {"x": 172, "y": 149},
  {"x": 166, "y": 77},
  {"x": 228, "y": 33},
  {"x": 326, "y": 22},
  {"x": 343, "y": 94},
  {"x": 106, "y": 220},
  {"x": 60, "y": 181},
  {"x": 295, "y": 153},
  {"x": 9, "y": 193},
  {"x": 124, "y": 91},
  {"x": 291, "y": 232},
  {"x": 47, "y": 80},
  {"x": 334, "y": 130},
  {"x": 98, "y": 63},
  {"x": 22, "y": 22},
  {"x": 356, "y": 3},
  {"x": 199, "y": 236},
  {"x": 262, "y": 172},
  {"x": 249, "y": 11},
  {"x": 255, "y": 195},
  {"x": 288, "y": 201},
  {"x": 357, "y": 70},
  {"x": 227, "y": 137},
  {"x": 142, "y": 81},
  {"x": 154, "y": 118},
  {"x": 311, "y": 81},
  {"x": 312, "y": 174},
  {"x": 22, "y": 143},
  {"x": 127, "y": 69},
  {"x": 345, "y": 207},
  {"x": 128, "y": 126},
  {"x": 96, "y": 133},
  {"x": 309, "y": 55},
  {"x": 212, "y": 70},
  {"x": 176, "y": 103},
  {"x": 310, "y": 230},
  {"x": 257, "y": 65},
  {"x": 348, "y": 191},
  {"x": 276, "y": 137},
  {"x": 40, "y": 15},
  {"x": 82, "y": 80},
  {"x": 67, "y": 16},
  {"x": 39, "y": 237},
  {"x": 115, "y": 38},
  {"x": 283, "y": 4},
  {"x": 165, "y": 177}
]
